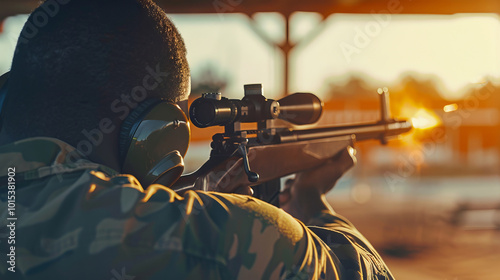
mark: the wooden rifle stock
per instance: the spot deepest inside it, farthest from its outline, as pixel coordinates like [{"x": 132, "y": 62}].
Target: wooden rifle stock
[{"x": 292, "y": 152}]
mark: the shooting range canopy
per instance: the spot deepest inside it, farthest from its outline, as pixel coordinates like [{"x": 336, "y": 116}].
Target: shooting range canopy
[
  {"x": 324, "y": 7},
  {"x": 327, "y": 7}
]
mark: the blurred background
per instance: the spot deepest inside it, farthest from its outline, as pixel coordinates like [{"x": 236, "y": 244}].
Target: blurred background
[{"x": 428, "y": 201}]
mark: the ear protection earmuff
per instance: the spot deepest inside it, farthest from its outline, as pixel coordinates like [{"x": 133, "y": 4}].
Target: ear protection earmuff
[{"x": 154, "y": 138}]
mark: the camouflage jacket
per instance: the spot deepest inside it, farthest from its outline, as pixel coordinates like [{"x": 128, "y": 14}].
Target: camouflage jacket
[{"x": 79, "y": 220}]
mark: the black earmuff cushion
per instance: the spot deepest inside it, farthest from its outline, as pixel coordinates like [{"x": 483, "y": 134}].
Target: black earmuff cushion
[{"x": 132, "y": 121}]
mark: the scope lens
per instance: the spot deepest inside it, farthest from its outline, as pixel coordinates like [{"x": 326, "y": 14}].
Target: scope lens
[{"x": 203, "y": 113}]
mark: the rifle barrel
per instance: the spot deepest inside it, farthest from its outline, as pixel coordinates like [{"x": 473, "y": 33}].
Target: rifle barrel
[{"x": 362, "y": 132}]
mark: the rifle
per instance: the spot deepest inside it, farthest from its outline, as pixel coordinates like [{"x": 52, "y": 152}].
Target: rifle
[{"x": 260, "y": 157}]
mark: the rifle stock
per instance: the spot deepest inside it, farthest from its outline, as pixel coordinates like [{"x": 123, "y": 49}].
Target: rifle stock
[{"x": 269, "y": 161}]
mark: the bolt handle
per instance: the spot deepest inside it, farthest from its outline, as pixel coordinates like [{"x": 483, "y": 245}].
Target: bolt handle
[{"x": 252, "y": 176}]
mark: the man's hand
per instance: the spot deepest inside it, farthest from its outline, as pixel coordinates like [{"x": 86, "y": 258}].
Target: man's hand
[{"x": 304, "y": 197}]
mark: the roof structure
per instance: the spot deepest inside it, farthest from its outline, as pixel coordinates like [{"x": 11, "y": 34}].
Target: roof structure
[
  {"x": 328, "y": 7},
  {"x": 324, "y": 7},
  {"x": 287, "y": 7}
]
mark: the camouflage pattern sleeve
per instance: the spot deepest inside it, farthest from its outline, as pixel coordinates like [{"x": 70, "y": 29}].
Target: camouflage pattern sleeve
[
  {"x": 77, "y": 221},
  {"x": 358, "y": 257}
]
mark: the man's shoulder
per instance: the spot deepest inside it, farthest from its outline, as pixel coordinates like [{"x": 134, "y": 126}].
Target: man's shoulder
[{"x": 39, "y": 158}]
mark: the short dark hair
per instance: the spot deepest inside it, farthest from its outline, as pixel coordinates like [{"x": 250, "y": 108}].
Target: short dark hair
[{"x": 75, "y": 58}]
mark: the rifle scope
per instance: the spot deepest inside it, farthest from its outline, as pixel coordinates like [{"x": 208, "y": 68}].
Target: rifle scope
[{"x": 212, "y": 109}]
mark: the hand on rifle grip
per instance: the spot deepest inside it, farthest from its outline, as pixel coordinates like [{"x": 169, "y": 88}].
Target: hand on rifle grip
[
  {"x": 324, "y": 177},
  {"x": 304, "y": 196}
]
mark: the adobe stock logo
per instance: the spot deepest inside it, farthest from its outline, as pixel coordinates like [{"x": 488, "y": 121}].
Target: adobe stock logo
[
  {"x": 225, "y": 6},
  {"x": 40, "y": 18},
  {"x": 363, "y": 37},
  {"x": 120, "y": 107},
  {"x": 122, "y": 275}
]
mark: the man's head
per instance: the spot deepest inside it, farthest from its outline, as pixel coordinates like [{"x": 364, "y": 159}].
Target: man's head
[{"x": 78, "y": 62}]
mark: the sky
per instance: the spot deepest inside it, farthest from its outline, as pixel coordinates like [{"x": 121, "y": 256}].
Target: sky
[{"x": 459, "y": 50}]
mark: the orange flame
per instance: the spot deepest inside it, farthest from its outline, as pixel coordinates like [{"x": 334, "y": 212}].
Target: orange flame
[{"x": 425, "y": 119}]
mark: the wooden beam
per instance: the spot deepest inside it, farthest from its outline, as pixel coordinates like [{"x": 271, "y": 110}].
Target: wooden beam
[
  {"x": 15, "y": 7},
  {"x": 328, "y": 7},
  {"x": 324, "y": 7}
]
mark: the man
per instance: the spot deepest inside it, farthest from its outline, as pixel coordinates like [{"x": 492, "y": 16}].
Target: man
[{"x": 77, "y": 217}]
